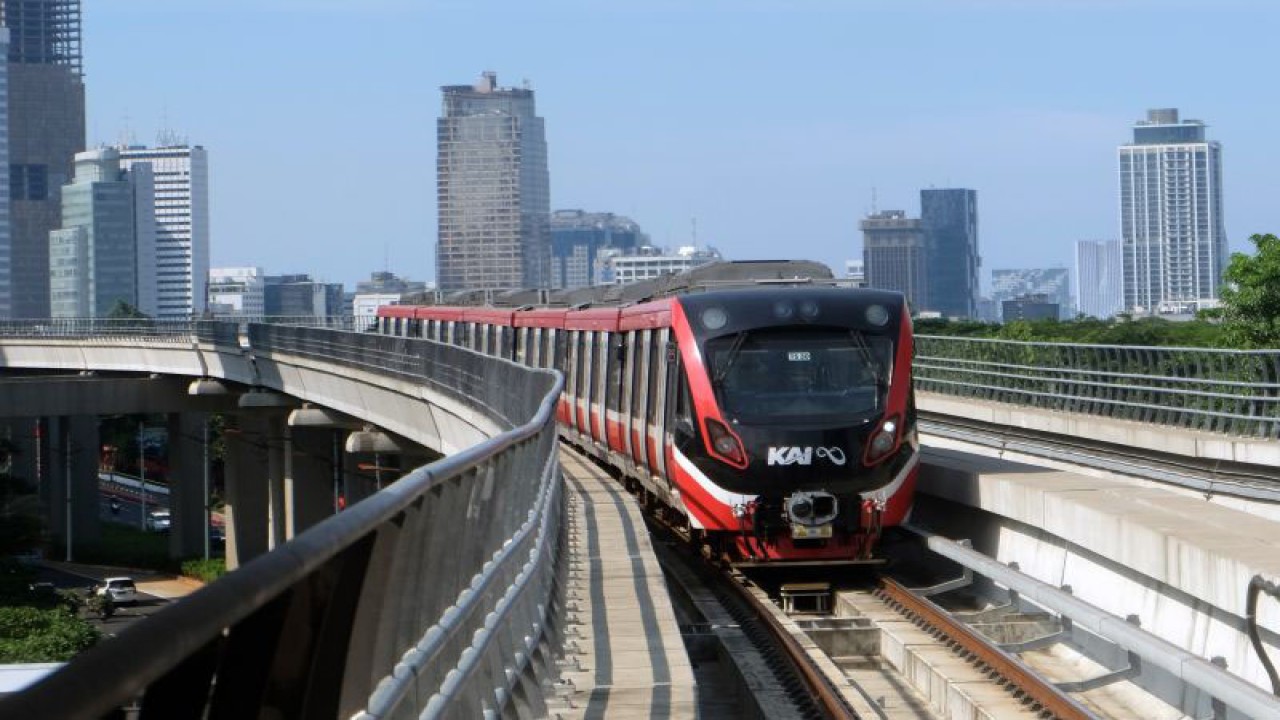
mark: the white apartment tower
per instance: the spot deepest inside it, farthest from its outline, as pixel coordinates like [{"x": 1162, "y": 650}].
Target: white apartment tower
[
  {"x": 1171, "y": 225},
  {"x": 182, "y": 225},
  {"x": 1099, "y": 290}
]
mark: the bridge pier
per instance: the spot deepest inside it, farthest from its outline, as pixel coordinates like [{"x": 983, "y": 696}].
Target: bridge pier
[
  {"x": 71, "y": 463},
  {"x": 245, "y": 437},
  {"x": 187, "y": 492},
  {"x": 308, "y": 479}
]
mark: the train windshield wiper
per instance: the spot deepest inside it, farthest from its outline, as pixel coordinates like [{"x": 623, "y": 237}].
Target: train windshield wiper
[
  {"x": 730, "y": 356},
  {"x": 864, "y": 350}
]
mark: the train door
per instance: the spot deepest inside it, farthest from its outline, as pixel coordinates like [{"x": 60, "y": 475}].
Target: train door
[
  {"x": 613, "y": 392},
  {"x": 628, "y": 390},
  {"x": 639, "y": 384},
  {"x": 599, "y": 386},
  {"x": 658, "y": 358}
]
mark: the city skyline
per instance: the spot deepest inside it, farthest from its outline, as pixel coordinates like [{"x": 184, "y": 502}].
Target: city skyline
[{"x": 762, "y": 149}]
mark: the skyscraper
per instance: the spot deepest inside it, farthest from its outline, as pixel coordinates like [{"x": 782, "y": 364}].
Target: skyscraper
[
  {"x": 950, "y": 219},
  {"x": 6, "y": 216},
  {"x": 894, "y": 256},
  {"x": 1171, "y": 224},
  {"x": 182, "y": 225},
  {"x": 492, "y": 188},
  {"x": 101, "y": 255},
  {"x": 1099, "y": 270},
  {"x": 46, "y": 130},
  {"x": 576, "y": 239}
]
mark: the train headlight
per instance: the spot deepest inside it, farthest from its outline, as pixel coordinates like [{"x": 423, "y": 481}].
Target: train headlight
[
  {"x": 714, "y": 318},
  {"x": 883, "y": 441},
  {"x": 801, "y": 508},
  {"x": 877, "y": 315},
  {"x": 725, "y": 445}
]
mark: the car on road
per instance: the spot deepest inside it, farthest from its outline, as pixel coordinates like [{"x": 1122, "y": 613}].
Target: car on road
[
  {"x": 159, "y": 520},
  {"x": 121, "y": 589}
]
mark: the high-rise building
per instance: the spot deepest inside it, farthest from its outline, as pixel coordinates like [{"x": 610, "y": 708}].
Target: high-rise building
[
  {"x": 492, "y": 188},
  {"x": 46, "y": 130},
  {"x": 950, "y": 218},
  {"x": 1171, "y": 223},
  {"x": 577, "y": 237},
  {"x": 182, "y": 225},
  {"x": 1099, "y": 272},
  {"x": 855, "y": 271},
  {"x": 649, "y": 262},
  {"x": 301, "y": 296},
  {"x": 894, "y": 256},
  {"x": 6, "y": 216},
  {"x": 237, "y": 292},
  {"x": 1054, "y": 284},
  {"x": 1031, "y": 306},
  {"x": 388, "y": 283},
  {"x": 101, "y": 255}
]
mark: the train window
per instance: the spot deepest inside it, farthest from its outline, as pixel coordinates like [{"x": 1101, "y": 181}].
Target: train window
[
  {"x": 616, "y": 359},
  {"x": 602, "y": 367},
  {"x": 560, "y": 350},
  {"x": 521, "y": 340},
  {"x": 580, "y": 343},
  {"x": 655, "y": 366},
  {"x": 638, "y": 373},
  {"x": 809, "y": 375}
]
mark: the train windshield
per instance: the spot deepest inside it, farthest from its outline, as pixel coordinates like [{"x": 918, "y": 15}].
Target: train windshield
[{"x": 815, "y": 375}]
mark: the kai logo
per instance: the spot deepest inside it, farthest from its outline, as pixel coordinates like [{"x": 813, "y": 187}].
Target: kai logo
[{"x": 789, "y": 455}]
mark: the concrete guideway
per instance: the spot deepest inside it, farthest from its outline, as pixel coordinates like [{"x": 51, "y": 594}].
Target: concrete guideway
[
  {"x": 1177, "y": 562},
  {"x": 624, "y": 654}
]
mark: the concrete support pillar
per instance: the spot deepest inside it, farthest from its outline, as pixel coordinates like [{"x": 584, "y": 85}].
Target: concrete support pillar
[
  {"x": 278, "y": 434},
  {"x": 308, "y": 480},
  {"x": 73, "y": 466},
  {"x": 23, "y": 465},
  {"x": 187, "y": 494},
  {"x": 245, "y": 437},
  {"x": 360, "y": 484}
]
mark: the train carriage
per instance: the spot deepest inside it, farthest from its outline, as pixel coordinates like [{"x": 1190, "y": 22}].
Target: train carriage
[{"x": 769, "y": 409}]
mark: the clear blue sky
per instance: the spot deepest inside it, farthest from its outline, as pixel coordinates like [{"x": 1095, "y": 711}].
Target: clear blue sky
[{"x": 769, "y": 121}]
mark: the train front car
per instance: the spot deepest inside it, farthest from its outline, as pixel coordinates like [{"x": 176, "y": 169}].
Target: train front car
[{"x": 794, "y": 428}]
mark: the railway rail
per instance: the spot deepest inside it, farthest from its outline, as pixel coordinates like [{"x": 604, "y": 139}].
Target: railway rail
[{"x": 1043, "y": 696}]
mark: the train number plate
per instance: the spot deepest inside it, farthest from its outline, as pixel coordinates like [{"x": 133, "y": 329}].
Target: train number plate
[{"x": 807, "y": 532}]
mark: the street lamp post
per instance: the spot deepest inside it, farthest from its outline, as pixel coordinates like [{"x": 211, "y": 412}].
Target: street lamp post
[
  {"x": 208, "y": 515},
  {"x": 142, "y": 478}
]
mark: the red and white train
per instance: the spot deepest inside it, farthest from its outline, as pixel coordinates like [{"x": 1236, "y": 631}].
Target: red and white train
[{"x": 770, "y": 409}]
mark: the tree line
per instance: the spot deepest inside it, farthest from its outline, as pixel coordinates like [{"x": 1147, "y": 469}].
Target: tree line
[{"x": 1249, "y": 317}]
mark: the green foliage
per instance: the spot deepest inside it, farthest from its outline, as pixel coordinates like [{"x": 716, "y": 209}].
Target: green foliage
[
  {"x": 205, "y": 570},
  {"x": 125, "y": 546},
  {"x": 29, "y": 634},
  {"x": 1151, "y": 332},
  {"x": 1251, "y": 296},
  {"x": 125, "y": 311}
]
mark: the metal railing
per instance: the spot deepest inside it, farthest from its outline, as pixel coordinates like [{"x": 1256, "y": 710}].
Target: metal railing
[
  {"x": 437, "y": 596},
  {"x": 1235, "y": 392}
]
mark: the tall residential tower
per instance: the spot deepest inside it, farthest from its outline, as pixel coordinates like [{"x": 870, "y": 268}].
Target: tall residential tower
[
  {"x": 1099, "y": 269},
  {"x": 492, "y": 188},
  {"x": 1171, "y": 224},
  {"x": 46, "y": 130}
]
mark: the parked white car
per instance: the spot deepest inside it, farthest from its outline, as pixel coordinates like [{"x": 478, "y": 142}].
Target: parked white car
[{"x": 121, "y": 589}]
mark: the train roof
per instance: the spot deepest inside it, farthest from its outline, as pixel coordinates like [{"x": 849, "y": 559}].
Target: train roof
[{"x": 716, "y": 275}]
